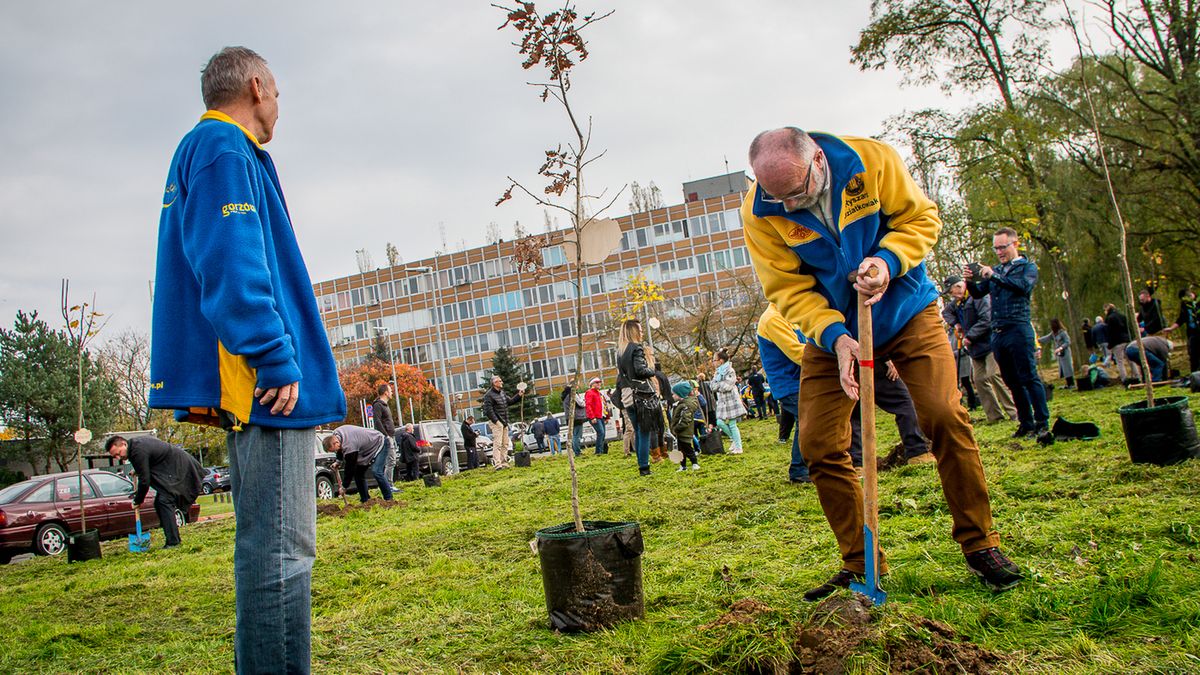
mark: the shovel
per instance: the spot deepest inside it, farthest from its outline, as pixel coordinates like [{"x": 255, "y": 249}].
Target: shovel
[
  {"x": 337, "y": 476},
  {"x": 138, "y": 542},
  {"x": 866, "y": 400}
]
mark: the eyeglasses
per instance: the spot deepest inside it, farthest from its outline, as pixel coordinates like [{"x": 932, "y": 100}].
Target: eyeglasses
[
  {"x": 997, "y": 249},
  {"x": 802, "y": 195}
]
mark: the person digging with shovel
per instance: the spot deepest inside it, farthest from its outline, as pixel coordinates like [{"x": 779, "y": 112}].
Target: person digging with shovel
[
  {"x": 825, "y": 207},
  {"x": 175, "y": 476}
]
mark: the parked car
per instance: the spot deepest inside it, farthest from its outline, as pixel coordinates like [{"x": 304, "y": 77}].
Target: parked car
[
  {"x": 216, "y": 479},
  {"x": 434, "y": 444},
  {"x": 589, "y": 434},
  {"x": 38, "y": 514}
]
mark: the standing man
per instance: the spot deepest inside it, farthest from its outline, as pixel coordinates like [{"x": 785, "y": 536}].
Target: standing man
[
  {"x": 823, "y": 208},
  {"x": 756, "y": 381},
  {"x": 410, "y": 453},
  {"x": 371, "y": 451},
  {"x": 1189, "y": 318},
  {"x": 593, "y": 405},
  {"x": 1150, "y": 315},
  {"x": 175, "y": 476},
  {"x": 1010, "y": 286},
  {"x": 495, "y": 408},
  {"x": 551, "y": 429},
  {"x": 469, "y": 439},
  {"x": 972, "y": 318},
  {"x": 1117, "y": 327},
  {"x": 539, "y": 435},
  {"x": 235, "y": 331},
  {"x": 382, "y": 414},
  {"x": 782, "y": 351}
]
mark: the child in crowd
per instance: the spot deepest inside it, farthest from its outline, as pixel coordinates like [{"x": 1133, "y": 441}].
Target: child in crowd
[{"x": 683, "y": 425}]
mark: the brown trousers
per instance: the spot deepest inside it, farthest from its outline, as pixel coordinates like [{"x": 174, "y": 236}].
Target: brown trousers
[{"x": 925, "y": 362}]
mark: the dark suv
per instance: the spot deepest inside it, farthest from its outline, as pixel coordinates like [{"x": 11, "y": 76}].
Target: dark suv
[{"x": 434, "y": 444}]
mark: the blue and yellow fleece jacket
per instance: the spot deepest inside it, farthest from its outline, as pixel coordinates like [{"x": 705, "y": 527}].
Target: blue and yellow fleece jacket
[
  {"x": 781, "y": 349},
  {"x": 233, "y": 303},
  {"x": 879, "y": 211}
]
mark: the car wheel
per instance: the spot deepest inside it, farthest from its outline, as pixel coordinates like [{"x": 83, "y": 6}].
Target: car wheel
[
  {"x": 50, "y": 539},
  {"x": 444, "y": 466},
  {"x": 206, "y": 489},
  {"x": 180, "y": 518},
  {"x": 324, "y": 488}
]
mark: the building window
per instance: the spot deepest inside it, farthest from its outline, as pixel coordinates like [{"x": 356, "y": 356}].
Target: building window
[
  {"x": 642, "y": 237},
  {"x": 553, "y": 256}
]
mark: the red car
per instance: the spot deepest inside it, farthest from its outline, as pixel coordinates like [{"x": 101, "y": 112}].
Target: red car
[{"x": 37, "y": 515}]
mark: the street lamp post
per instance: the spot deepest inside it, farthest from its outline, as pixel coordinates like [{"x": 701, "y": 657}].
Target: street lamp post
[
  {"x": 395, "y": 382},
  {"x": 442, "y": 358}
]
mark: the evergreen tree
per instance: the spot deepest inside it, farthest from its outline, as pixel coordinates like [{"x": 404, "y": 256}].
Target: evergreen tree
[
  {"x": 39, "y": 396},
  {"x": 513, "y": 372}
]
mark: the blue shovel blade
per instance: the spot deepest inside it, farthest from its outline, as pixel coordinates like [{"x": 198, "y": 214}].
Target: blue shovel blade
[
  {"x": 871, "y": 588},
  {"x": 139, "y": 543}
]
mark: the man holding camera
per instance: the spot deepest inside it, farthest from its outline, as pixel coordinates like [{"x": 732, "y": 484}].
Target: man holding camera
[{"x": 1010, "y": 285}]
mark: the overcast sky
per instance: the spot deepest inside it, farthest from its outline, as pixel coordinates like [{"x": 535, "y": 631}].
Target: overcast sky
[{"x": 395, "y": 117}]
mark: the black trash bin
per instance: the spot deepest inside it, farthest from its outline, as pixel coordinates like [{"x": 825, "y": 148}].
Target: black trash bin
[
  {"x": 1164, "y": 434},
  {"x": 522, "y": 458},
  {"x": 83, "y": 546},
  {"x": 592, "y": 579},
  {"x": 432, "y": 480}
]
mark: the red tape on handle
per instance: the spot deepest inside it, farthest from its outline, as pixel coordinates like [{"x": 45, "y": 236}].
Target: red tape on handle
[{"x": 867, "y": 364}]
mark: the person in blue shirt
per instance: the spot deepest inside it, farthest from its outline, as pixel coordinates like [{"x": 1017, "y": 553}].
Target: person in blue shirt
[
  {"x": 238, "y": 342},
  {"x": 1010, "y": 285}
]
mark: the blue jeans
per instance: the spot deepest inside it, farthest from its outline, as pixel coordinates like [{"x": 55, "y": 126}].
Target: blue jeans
[
  {"x": 1013, "y": 349},
  {"x": 275, "y": 508},
  {"x": 552, "y": 442},
  {"x": 379, "y": 468},
  {"x": 641, "y": 444},
  {"x": 1158, "y": 369},
  {"x": 797, "y": 470},
  {"x": 601, "y": 441},
  {"x": 577, "y": 437}
]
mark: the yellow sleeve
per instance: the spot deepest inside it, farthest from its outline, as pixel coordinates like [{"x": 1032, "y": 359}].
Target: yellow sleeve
[
  {"x": 912, "y": 216},
  {"x": 772, "y": 326},
  {"x": 778, "y": 269}
]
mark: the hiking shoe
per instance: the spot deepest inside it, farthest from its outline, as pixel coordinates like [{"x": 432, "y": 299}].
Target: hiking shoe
[
  {"x": 923, "y": 458},
  {"x": 1022, "y": 431},
  {"x": 994, "y": 569},
  {"x": 840, "y": 580},
  {"x": 801, "y": 480},
  {"x": 644, "y": 470}
]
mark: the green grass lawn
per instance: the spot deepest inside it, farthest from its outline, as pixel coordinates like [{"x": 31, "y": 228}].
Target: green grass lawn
[
  {"x": 210, "y": 506},
  {"x": 448, "y": 583}
]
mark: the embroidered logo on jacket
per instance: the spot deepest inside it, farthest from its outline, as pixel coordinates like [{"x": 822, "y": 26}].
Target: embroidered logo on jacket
[
  {"x": 799, "y": 234},
  {"x": 858, "y": 202},
  {"x": 855, "y": 187},
  {"x": 170, "y": 195},
  {"x": 244, "y": 207}
]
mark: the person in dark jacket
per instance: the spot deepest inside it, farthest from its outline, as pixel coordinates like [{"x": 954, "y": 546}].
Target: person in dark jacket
[
  {"x": 495, "y": 408},
  {"x": 972, "y": 319},
  {"x": 634, "y": 373},
  {"x": 539, "y": 435},
  {"x": 708, "y": 399},
  {"x": 1189, "y": 319},
  {"x": 175, "y": 476},
  {"x": 1010, "y": 285},
  {"x": 575, "y": 407},
  {"x": 551, "y": 429},
  {"x": 1089, "y": 338},
  {"x": 1150, "y": 316},
  {"x": 1100, "y": 337},
  {"x": 758, "y": 391},
  {"x": 469, "y": 438},
  {"x": 683, "y": 421},
  {"x": 1117, "y": 328},
  {"x": 410, "y": 453},
  {"x": 371, "y": 453},
  {"x": 381, "y": 412}
]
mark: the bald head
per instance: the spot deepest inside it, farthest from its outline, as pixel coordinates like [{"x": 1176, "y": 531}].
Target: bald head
[{"x": 786, "y": 162}]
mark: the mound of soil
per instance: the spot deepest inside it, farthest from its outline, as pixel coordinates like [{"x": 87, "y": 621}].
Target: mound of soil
[
  {"x": 842, "y": 625},
  {"x": 742, "y": 611},
  {"x": 339, "y": 510}
]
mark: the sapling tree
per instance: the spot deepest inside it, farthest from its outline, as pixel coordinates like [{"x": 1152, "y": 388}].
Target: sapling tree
[
  {"x": 83, "y": 325},
  {"x": 555, "y": 42}
]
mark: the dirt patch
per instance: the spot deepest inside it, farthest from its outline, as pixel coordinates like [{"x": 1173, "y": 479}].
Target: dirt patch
[
  {"x": 945, "y": 652},
  {"x": 839, "y": 627},
  {"x": 742, "y": 611},
  {"x": 340, "y": 510},
  {"x": 842, "y": 626}
]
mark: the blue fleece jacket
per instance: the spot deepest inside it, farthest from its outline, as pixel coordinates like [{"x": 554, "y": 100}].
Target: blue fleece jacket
[
  {"x": 879, "y": 211},
  {"x": 233, "y": 303},
  {"x": 781, "y": 349}
]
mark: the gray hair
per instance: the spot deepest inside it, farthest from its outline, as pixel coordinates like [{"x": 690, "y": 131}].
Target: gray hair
[
  {"x": 228, "y": 72},
  {"x": 792, "y": 139}
]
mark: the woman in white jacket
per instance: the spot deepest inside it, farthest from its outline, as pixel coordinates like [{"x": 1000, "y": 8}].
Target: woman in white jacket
[{"x": 729, "y": 401}]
